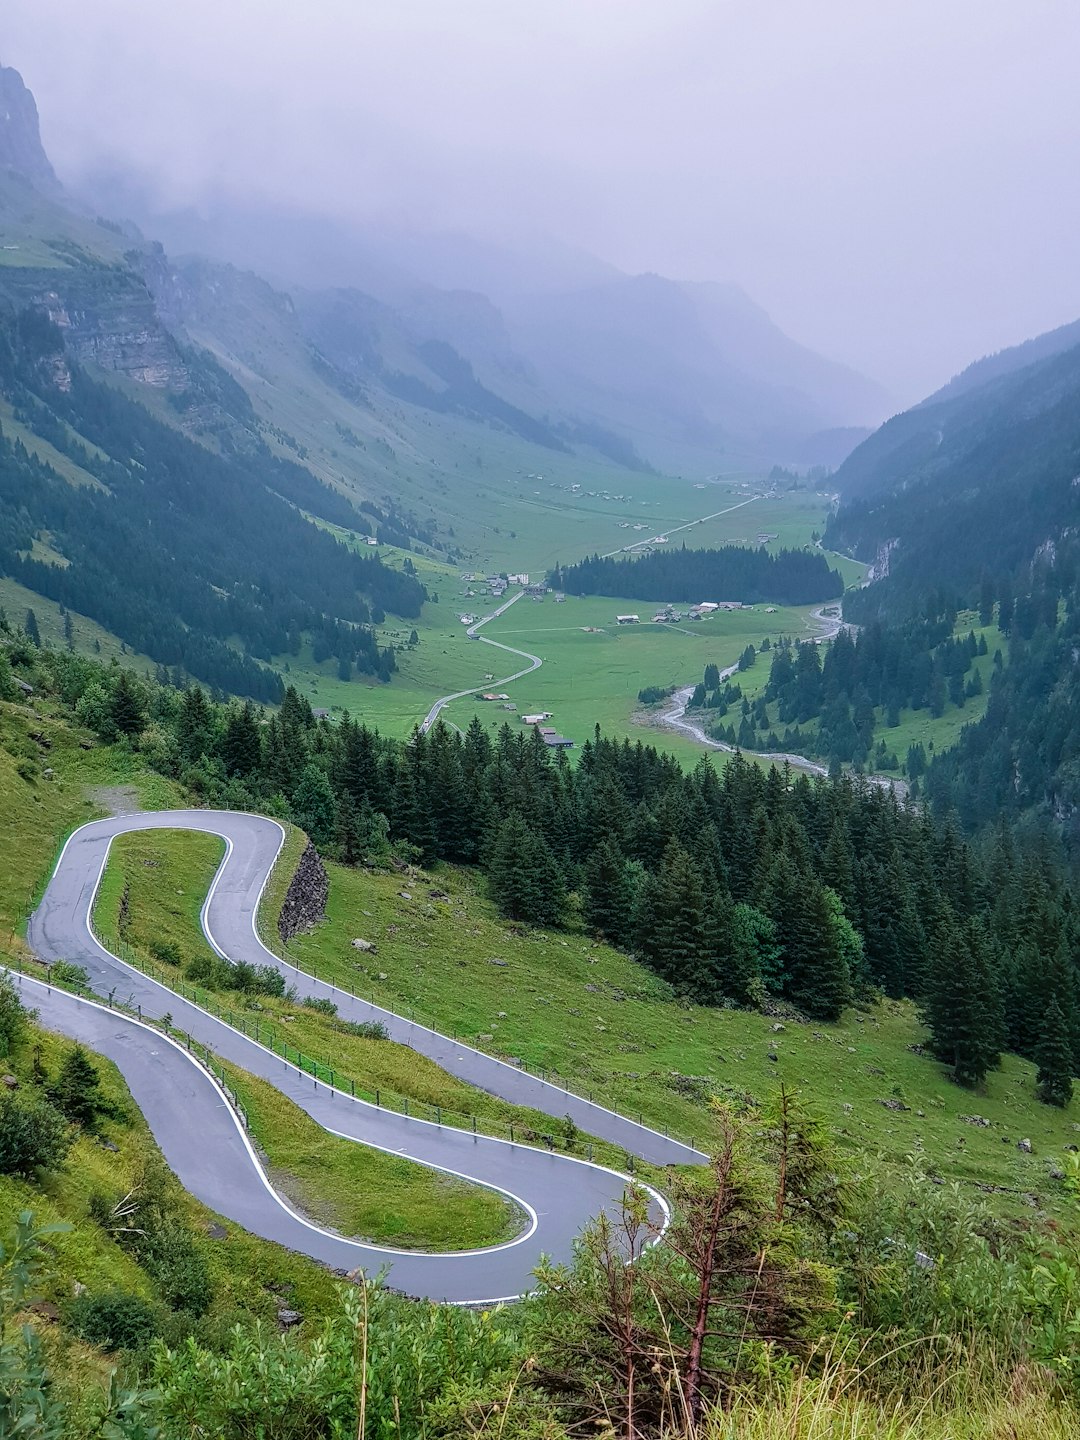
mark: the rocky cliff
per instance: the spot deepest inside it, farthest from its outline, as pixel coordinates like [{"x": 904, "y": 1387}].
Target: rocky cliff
[{"x": 21, "y": 149}]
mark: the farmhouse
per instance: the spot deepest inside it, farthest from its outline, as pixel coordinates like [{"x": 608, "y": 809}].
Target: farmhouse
[
  {"x": 627, "y": 619},
  {"x": 536, "y": 719},
  {"x": 557, "y": 742}
]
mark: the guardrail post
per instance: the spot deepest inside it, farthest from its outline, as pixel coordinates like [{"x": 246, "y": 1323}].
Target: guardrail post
[{"x": 377, "y": 1099}]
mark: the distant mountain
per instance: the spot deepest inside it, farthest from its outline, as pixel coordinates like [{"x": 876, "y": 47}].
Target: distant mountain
[
  {"x": 971, "y": 483},
  {"x": 687, "y": 368},
  {"x": 692, "y": 375}
]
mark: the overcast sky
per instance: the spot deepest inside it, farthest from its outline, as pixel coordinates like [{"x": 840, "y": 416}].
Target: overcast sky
[{"x": 894, "y": 180}]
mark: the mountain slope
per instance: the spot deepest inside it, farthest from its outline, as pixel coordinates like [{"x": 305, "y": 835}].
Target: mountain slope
[
  {"x": 973, "y": 481},
  {"x": 686, "y": 368},
  {"x": 687, "y": 373}
]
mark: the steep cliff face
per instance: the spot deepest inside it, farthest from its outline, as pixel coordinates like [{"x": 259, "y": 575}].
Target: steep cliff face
[
  {"x": 108, "y": 318},
  {"x": 20, "y": 137}
]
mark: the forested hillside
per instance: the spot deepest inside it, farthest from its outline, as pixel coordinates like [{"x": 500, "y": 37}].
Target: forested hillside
[
  {"x": 1021, "y": 762},
  {"x": 964, "y": 488},
  {"x": 844, "y": 701},
  {"x": 734, "y": 572},
  {"x": 180, "y": 551}
]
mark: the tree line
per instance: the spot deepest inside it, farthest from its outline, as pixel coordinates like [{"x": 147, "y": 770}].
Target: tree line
[{"x": 734, "y": 572}]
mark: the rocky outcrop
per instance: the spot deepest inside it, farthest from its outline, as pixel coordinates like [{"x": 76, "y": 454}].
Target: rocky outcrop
[
  {"x": 21, "y": 149},
  {"x": 107, "y": 318},
  {"x": 305, "y": 900}
]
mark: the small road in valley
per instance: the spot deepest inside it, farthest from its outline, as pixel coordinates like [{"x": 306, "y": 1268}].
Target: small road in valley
[
  {"x": 202, "y": 1137},
  {"x": 675, "y": 529},
  {"x": 473, "y": 633}
]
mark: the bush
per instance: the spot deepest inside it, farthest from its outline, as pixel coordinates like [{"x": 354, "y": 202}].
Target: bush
[
  {"x": 114, "y": 1320},
  {"x": 71, "y": 977},
  {"x": 210, "y": 971},
  {"x": 653, "y": 694},
  {"x": 217, "y": 974},
  {"x": 321, "y": 1003},
  {"x": 366, "y": 1029},
  {"x": 33, "y": 1135},
  {"x": 170, "y": 1255},
  {"x": 167, "y": 951}
]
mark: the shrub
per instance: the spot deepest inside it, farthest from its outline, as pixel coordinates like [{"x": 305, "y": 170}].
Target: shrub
[
  {"x": 170, "y": 1255},
  {"x": 33, "y": 1135},
  {"x": 321, "y": 1003},
  {"x": 114, "y": 1320},
  {"x": 71, "y": 977},
  {"x": 366, "y": 1029},
  {"x": 209, "y": 970},
  {"x": 167, "y": 951},
  {"x": 653, "y": 694}
]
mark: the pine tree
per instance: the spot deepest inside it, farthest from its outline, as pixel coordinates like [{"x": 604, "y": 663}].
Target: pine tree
[
  {"x": 31, "y": 628},
  {"x": 126, "y": 710},
  {"x": 76, "y": 1092},
  {"x": 818, "y": 979},
  {"x": 608, "y": 898},
  {"x": 196, "y": 722},
  {"x": 964, "y": 1008},
  {"x": 241, "y": 748},
  {"x": 1053, "y": 1055},
  {"x": 525, "y": 881},
  {"x": 670, "y": 931}
]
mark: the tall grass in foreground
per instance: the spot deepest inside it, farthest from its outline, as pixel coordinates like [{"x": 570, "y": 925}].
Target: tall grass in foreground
[{"x": 979, "y": 1398}]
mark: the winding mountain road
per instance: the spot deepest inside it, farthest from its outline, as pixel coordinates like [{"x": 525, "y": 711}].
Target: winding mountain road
[
  {"x": 473, "y": 633},
  {"x": 201, "y": 1136}
]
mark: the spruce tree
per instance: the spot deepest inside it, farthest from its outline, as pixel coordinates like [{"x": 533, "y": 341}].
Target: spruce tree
[
  {"x": 964, "y": 1008},
  {"x": 241, "y": 747},
  {"x": 31, "y": 628},
  {"x": 525, "y": 879},
  {"x": 126, "y": 710},
  {"x": 76, "y": 1092},
  {"x": 670, "y": 925},
  {"x": 1053, "y": 1055},
  {"x": 817, "y": 977},
  {"x": 608, "y": 897}
]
